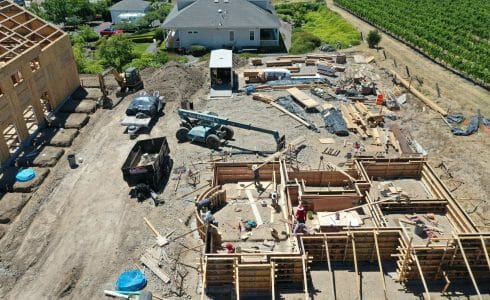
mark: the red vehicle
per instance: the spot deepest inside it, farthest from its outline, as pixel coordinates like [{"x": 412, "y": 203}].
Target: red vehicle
[{"x": 110, "y": 31}]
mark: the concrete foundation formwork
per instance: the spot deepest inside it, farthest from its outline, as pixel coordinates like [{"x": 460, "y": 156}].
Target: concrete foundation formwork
[
  {"x": 37, "y": 72},
  {"x": 459, "y": 251}
]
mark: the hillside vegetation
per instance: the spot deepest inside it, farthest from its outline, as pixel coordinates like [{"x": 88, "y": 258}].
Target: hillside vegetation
[
  {"x": 314, "y": 24},
  {"x": 454, "y": 32}
]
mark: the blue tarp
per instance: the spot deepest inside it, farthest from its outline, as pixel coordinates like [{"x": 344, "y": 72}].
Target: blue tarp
[
  {"x": 131, "y": 281},
  {"x": 25, "y": 175},
  {"x": 470, "y": 129},
  {"x": 334, "y": 122},
  {"x": 455, "y": 118}
]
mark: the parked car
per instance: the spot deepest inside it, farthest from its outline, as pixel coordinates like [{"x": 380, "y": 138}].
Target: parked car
[{"x": 110, "y": 31}]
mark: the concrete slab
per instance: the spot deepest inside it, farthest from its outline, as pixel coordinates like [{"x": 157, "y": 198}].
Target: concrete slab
[
  {"x": 11, "y": 205},
  {"x": 63, "y": 137},
  {"x": 73, "y": 120},
  {"x": 87, "y": 93},
  {"x": 83, "y": 106},
  {"x": 30, "y": 186}
]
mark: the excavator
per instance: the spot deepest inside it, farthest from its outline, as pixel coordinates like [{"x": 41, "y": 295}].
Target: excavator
[
  {"x": 210, "y": 129},
  {"x": 128, "y": 81}
]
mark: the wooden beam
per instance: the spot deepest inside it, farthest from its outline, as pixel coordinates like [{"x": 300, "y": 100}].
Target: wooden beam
[
  {"x": 405, "y": 260},
  {"x": 485, "y": 250},
  {"x": 421, "y": 274},
  {"x": 237, "y": 281},
  {"x": 305, "y": 282},
  {"x": 273, "y": 279},
  {"x": 468, "y": 267},
  {"x": 334, "y": 295},
  {"x": 380, "y": 264},
  {"x": 358, "y": 277},
  {"x": 153, "y": 266},
  {"x": 419, "y": 95}
]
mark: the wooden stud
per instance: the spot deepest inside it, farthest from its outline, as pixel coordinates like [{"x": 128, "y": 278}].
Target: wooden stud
[
  {"x": 380, "y": 263},
  {"x": 273, "y": 279},
  {"x": 468, "y": 267},
  {"x": 305, "y": 282},
  {"x": 358, "y": 277},
  {"x": 334, "y": 294},
  {"x": 485, "y": 251},
  {"x": 424, "y": 283}
]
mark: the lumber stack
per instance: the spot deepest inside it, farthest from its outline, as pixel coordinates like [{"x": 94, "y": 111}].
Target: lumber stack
[
  {"x": 293, "y": 69},
  {"x": 256, "y": 61},
  {"x": 304, "y": 100},
  {"x": 253, "y": 76},
  {"x": 279, "y": 63},
  {"x": 325, "y": 68}
]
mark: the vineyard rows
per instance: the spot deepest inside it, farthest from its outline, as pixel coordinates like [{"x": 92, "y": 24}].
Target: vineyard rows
[{"x": 456, "y": 32}]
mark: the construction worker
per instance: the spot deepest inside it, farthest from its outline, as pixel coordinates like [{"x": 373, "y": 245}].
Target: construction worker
[
  {"x": 274, "y": 198},
  {"x": 300, "y": 214}
]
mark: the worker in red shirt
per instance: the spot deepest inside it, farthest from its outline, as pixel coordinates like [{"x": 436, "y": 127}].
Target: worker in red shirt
[{"x": 300, "y": 213}]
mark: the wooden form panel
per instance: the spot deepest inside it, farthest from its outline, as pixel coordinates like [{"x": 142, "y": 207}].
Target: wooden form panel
[
  {"x": 237, "y": 172},
  {"x": 435, "y": 261},
  {"x": 393, "y": 169},
  {"x": 318, "y": 203},
  {"x": 340, "y": 245},
  {"x": 322, "y": 178},
  {"x": 437, "y": 206}
]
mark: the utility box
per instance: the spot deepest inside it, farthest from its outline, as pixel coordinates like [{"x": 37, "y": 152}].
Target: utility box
[{"x": 221, "y": 72}]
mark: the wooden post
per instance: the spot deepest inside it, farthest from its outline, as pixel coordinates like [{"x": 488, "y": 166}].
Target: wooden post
[
  {"x": 408, "y": 72},
  {"x": 468, "y": 267},
  {"x": 394, "y": 62},
  {"x": 485, "y": 250},
  {"x": 273, "y": 279},
  {"x": 438, "y": 90},
  {"x": 424, "y": 283},
  {"x": 237, "y": 281},
  {"x": 334, "y": 296},
  {"x": 380, "y": 263},
  {"x": 358, "y": 277},
  {"x": 405, "y": 260},
  {"x": 384, "y": 53},
  {"x": 305, "y": 282}
]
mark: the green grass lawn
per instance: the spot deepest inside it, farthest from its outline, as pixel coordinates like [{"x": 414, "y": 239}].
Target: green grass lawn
[
  {"x": 140, "y": 48},
  {"x": 330, "y": 27}
]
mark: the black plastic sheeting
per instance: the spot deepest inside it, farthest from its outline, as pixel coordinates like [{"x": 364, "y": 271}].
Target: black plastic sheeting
[
  {"x": 288, "y": 103},
  {"x": 455, "y": 118},
  {"x": 334, "y": 122},
  {"x": 470, "y": 129}
]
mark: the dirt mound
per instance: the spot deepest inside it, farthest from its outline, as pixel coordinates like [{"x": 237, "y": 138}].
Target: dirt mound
[{"x": 175, "y": 81}]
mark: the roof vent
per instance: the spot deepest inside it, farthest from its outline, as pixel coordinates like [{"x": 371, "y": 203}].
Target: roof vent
[
  {"x": 216, "y": 1},
  {"x": 220, "y": 10},
  {"x": 226, "y": 1}
]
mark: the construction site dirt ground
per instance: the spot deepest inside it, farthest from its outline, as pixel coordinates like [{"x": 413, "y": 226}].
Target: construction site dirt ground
[{"x": 81, "y": 229}]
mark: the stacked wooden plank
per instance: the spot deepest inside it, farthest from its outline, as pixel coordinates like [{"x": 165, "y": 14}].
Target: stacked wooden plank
[
  {"x": 293, "y": 69},
  {"x": 325, "y": 68},
  {"x": 279, "y": 63},
  {"x": 253, "y": 76},
  {"x": 256, "y": 61},
  {"x": 304, "y": 100}
]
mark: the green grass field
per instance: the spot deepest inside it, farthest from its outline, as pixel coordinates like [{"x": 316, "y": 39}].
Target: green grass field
[{"x": 314, "y": 24}]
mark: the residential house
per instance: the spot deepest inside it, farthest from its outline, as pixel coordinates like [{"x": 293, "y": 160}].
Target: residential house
[
  {"x": 128, "y": 10},
  {"x": 232, "y": 24}
]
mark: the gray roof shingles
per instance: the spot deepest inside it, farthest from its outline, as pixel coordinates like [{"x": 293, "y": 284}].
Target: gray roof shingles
[
  {"x": 130, "y": 5},
  {"x": 234, "y": 14}
]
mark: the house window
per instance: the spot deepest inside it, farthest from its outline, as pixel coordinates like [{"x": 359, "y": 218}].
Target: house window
[
  {"x": 189, "y": 32},
  {"x": 195, "y": 32},
  {"x": 252, "y": 35},
  {"x": 232, "y": 36}
]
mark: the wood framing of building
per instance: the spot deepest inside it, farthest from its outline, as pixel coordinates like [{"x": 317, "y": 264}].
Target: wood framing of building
[
  {"x": 37, "y": 72},
  {"x": 458, "y": 251}
]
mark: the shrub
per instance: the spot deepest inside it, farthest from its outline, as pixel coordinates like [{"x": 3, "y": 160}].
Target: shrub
[
  {"x": 159, "y": 34},
  {"x": 87, "y": 33},
  {"x": 304, "y": 42},
  {"x": 373, "y": 38},
  {"x": 197, "y": 50}
]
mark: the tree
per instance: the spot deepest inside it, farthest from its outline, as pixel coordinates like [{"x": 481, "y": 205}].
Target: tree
[
  {"x": 87, "y": 33},
  {"x": 57, "y": 11},
  {"x": 116, "y": 51},
  {"x": 373, "y": 38}
]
